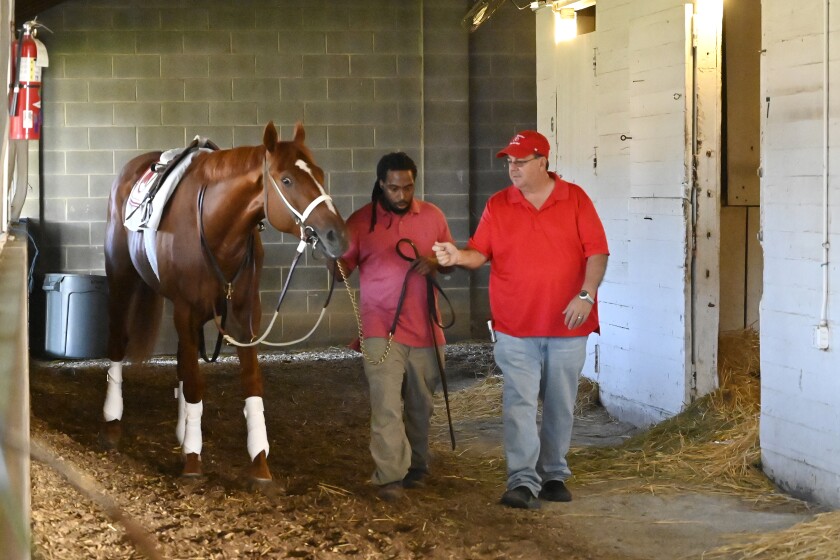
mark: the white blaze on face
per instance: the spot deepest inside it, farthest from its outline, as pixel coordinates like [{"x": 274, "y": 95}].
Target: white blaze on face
[{"x": 302, "y": 165}]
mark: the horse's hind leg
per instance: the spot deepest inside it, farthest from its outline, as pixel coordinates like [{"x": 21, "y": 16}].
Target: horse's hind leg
[{"x": 191, "y": 390}]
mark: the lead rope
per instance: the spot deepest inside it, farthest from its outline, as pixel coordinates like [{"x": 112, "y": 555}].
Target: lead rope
[{"x": 355, "y": 304}]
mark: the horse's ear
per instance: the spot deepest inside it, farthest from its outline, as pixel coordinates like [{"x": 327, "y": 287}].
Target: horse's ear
[
  {"x": 270, "y": 136},
  {"x": 300, "y": 135}
]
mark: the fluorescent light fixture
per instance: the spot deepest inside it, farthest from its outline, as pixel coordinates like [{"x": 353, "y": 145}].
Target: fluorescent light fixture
[{"x": 565, "y": 24}]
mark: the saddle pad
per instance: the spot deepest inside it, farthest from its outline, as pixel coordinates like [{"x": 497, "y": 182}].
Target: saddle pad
[{"x": 143, "y": 213}]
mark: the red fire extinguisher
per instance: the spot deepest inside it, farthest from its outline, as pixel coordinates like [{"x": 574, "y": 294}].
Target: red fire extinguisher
[{"x": 29, "y": 56}]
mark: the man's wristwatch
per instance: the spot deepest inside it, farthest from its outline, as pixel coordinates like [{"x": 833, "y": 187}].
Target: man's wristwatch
[{"x": 584, "y": 295}]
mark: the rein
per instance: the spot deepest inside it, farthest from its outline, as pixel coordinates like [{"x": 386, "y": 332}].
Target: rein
[{"x": 434, "y": 319}]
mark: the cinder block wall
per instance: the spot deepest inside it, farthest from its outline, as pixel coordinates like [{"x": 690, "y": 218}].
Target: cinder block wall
[
  {"x": 364, "y": 78},
  {"x": 503, "y": 100}
]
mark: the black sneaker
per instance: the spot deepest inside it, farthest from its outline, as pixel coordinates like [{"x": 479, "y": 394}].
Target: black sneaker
[
  {"x": 520, "y": 498},
  {"x": 391, "y": 492},
  {"x": 555, "y": 491},
  {"x": 415, "y": 478}
]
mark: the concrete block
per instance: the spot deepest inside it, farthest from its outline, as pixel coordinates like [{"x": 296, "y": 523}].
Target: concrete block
[
  {"x": 280, "y": 111},
  {"x": 260, "y": 43},
  {"x": 376, "y": 65},
  {"x": 89, "y": 114},
  {"x": 279, "y": 65},
  {"x": 447, "y": 88},
  {"x": 137, "y": 66},
  {"x": 375, "y": 113},
  {"x": 456, "y": 64},
  {"x": 325, "y": 66},
  {"x": 409, "y": 65},
  {"x": 396, "y": 42},
  {"x": 372, "y": 16},
  {"x": 331, "y": 160},
  {"x": 410, "y": 111},
  {"x": 137, "y": 114},
  {"x": 256, "y": 89},
  {"x": 108, "y": 137},
  {"x": 91, "y": 66},
  {"x": 159, "y": 42},
  {"x": 350, "y": 89},
  {"x": 451, "y": 112},
  {"x": 81, "y": 17},
  {"x": 356, "y": 136},
  {"x": 303, "y": 89},
  {"x": 185, "y": 65},
  {"x": 102, "y": 41},
  {"x": 233, "y": 66},
  {"x": 161, "y": 90},
  {"x": 160, "y": 137},
  {"x": 72, "y": 42},
  {"x": 55, "y": 210},
  {"x": 235, "y": 18},
  {"x": 398, "y": 137},
  {"x": 99, "y": 186},
  {"x": 398, "y": 89},
  {"x": 443, "y": 41},
  {"x": 186, "y": 19},
  {"x": 329, "y": 113},
  {"x": 352, "y": 183},
  {"x": 324, "y": 17},
  {"x": 129, "y": 18},
  {"x": 62, "y": 138},
  {"x": 247, "y": 135},
  {"x": 62, "y": 90},
  {"x": 349, "y": 42},
  {"x": 112, "y": 90},
  {"x": 303, "y": 42},
  {"x": 200, "y": 89},
  {"x": 185, "y": 113},
  {"x": 86, "y": 209},
  {"x": 228, "y": 113},
  {"x": 65, "y": 186},
  {"x": 83, "y": 258},
  {"x": 282, "y": 18},
  {"x": 207, "y": 42},
  {"x": 70, "y": 233},
  {"x": 96, "y": 161},
  {"x": 53, "y": 163}
]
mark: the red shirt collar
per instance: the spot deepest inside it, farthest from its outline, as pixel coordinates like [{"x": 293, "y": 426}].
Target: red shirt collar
[{"x": 559, "y": 192}]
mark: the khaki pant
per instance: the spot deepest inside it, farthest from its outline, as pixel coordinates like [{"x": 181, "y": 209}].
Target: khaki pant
[{"x": 401, "y": 404}]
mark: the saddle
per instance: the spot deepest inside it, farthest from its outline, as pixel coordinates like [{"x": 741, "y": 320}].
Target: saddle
[{"x": 150, "y": 194}]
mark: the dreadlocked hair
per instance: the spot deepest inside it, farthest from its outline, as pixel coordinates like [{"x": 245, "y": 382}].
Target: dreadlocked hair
[{"x": 395, "y": 161}]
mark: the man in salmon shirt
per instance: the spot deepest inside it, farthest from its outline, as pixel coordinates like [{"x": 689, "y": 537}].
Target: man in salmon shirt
[
  {"x": 548, "y": 254},
  {"x": 402, "y": 384}
]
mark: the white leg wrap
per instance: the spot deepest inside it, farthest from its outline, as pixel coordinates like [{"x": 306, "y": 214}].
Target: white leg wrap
[
  {"x": 255, "y": 420},
  {"x": 192, "y": 433},
  {"x": 113, "y": 408},
  {"x": 181, "y": 424}
]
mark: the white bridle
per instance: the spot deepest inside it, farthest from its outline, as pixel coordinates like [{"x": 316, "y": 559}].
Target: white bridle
[{"x": 300, "y": 218}]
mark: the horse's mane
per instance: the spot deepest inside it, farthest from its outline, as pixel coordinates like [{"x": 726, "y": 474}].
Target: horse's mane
[{"x": 223, "y": 164}]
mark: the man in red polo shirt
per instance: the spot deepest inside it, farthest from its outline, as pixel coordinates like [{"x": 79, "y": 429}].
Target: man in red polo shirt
[
  {"x": 548, "y": 254},
  {"x": 402, "y": 372}
]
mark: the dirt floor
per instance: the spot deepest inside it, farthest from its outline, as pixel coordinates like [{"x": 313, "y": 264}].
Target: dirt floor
[{"x": 321, "y": 504}]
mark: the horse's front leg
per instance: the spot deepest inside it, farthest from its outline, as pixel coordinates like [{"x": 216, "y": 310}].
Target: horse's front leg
[
  {"x": 252, "y": 387},
  {"x": 190, "y": 391}
]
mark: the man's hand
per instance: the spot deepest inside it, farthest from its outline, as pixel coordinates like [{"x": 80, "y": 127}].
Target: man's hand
[
  {"x": 446, "y": 253},
  {"x": 576, "y": 312},
  {"x": 424, "y": 265}
]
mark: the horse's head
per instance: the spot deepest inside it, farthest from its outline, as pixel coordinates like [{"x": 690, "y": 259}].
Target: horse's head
[{"x": 295, "y": 199}]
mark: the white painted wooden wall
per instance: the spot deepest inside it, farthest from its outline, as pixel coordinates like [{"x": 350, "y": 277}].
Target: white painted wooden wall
[
  {"x": 631, "y": 110},
  {"x": 800, "y": 385}
]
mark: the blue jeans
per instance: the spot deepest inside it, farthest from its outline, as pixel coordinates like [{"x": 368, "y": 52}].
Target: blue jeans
[{"x": 536, "y": 369}]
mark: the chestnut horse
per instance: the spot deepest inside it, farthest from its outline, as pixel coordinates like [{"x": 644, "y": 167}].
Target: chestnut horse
[{"x": 209, "y": 257}]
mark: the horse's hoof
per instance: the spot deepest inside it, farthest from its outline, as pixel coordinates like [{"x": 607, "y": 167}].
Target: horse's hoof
[
  {"x": 192, "y": 466},
  {"x": 258, "y": 470},
  {"x": 109, "y": 435},
  {"x": 265, "y": 487}
]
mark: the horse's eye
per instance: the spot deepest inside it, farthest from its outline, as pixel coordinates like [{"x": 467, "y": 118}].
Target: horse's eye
[{"x": 286, "y": 181}]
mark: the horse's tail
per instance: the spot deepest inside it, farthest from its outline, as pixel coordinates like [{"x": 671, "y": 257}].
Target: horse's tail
[{"x": 144, "y": 314}]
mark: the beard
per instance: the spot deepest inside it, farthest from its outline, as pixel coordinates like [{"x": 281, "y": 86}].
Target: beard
[{"x": 386, "y": 204}]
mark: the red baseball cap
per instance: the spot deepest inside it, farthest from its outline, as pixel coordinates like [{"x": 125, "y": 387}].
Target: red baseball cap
[{"x": 526, "y": 143}]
